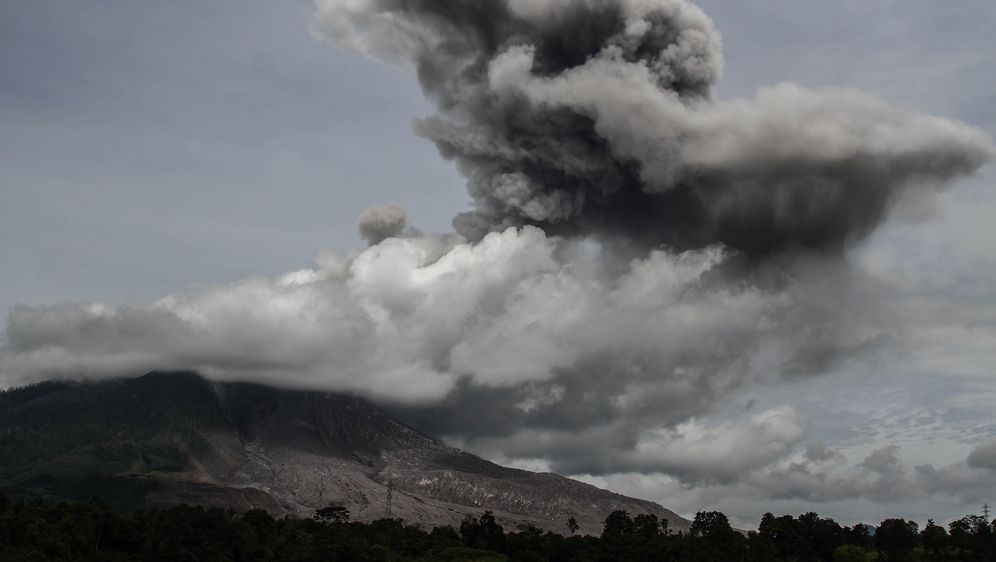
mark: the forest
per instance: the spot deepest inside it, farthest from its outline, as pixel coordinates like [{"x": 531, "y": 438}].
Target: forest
[{"x": 58, "y": 531}]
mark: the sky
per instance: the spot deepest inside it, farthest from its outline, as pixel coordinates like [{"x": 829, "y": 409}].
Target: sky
[{"x": 181, "y": 184}]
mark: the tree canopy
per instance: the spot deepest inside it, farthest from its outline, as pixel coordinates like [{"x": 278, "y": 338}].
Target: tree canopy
[{"x": 46, "y": 531}]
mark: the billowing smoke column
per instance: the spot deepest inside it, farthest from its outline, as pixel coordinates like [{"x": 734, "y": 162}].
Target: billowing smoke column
[{"x": 595, "y": 116}]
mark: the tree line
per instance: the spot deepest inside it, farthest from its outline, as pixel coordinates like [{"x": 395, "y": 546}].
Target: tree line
[{"x": 46, "y": 531}]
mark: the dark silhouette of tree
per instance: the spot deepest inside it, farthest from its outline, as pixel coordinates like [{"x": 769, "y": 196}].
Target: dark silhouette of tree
[
  {"x": 895, "y": 539},
  {"x": 647, "y": 525},
  {"x": 714, "y": 538},
  {"x": 934, "y": 540},
  {"x": 618, "y": 527},
  {"x": 483, "y": 532},
  {"x": 572, "y": 525},
  {"x": 858, "y": 535},
  {"x": 618, "y": 537},
  {"x": 760, "y": 548},
  {"x": 972, "y": 539},
  {"x": 44, "y": 531},
  {"x": 781, "y": 534},
  {"x": 806, "y": 538},
  {"x": 332, "y": 515}
]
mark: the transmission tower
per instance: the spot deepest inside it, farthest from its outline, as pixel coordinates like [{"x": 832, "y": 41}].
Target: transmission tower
[
  {"x": 985, "y": 511},
  {"x": 390, "y": 498}
]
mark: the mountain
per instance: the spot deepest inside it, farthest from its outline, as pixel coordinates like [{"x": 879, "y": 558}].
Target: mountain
[{"x": 170, "y": 438}]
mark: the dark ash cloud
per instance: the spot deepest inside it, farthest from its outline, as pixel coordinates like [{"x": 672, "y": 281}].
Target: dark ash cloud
[
  {"x": 596, "y": 116},
  {"x": 379, "y": 223}
]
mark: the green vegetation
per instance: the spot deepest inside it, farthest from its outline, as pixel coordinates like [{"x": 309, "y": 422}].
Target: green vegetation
[
  {"x": 74, "y": 441},
  {"x": 37, "y": 530}
]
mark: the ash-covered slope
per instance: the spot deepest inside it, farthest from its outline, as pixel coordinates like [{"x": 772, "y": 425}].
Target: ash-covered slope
[{"x": 169, "y": 438}]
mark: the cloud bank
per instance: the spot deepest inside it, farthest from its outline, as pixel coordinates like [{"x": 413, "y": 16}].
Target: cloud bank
[
  {"x": 880, "y": 481},
  {"x": 544, "y": 322}
]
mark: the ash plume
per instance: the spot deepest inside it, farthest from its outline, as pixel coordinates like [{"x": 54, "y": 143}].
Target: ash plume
[
  {"x": 379, "y": 223},
  {"x": 595, "y": 117}
]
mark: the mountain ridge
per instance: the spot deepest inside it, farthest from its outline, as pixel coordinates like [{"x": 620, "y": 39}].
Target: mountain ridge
[{"x": 174, "y": 437}]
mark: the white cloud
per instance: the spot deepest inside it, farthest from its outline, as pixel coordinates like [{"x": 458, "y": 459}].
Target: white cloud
[
  {"x": 549, "y": 322},
  {"x": 722, "y": 452}
]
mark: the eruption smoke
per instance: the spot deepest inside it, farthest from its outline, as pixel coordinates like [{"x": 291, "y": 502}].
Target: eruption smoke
[
  {"x": 595, "y": 116},
  {"x": 377, "y": 224}
]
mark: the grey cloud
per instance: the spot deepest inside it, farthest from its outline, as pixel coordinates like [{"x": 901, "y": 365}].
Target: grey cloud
[
  {"x": 379, "y": 223},
  {"x": 636, "y": 374},
  {"x": 883, "y": 461},
  {"x": 883, "y": 476},
  {"x": 984, "y": 456},
  {"x": 795, "y": 481},
  {"x": 696, "y": 453},
  {"x": 849, "y": 491},
  {"x": 820, "y": 452},
  {"x": 612, "y": 130}
]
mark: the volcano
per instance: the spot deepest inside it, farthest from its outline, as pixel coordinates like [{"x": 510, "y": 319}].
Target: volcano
[{"x": 170, "y": 438}]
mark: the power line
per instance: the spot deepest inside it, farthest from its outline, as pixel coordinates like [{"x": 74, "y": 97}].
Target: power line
[{"x": 390, "y": 498}]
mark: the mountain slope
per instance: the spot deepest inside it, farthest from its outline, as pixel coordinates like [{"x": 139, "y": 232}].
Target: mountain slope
[{"x": 168, "y": 438}]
